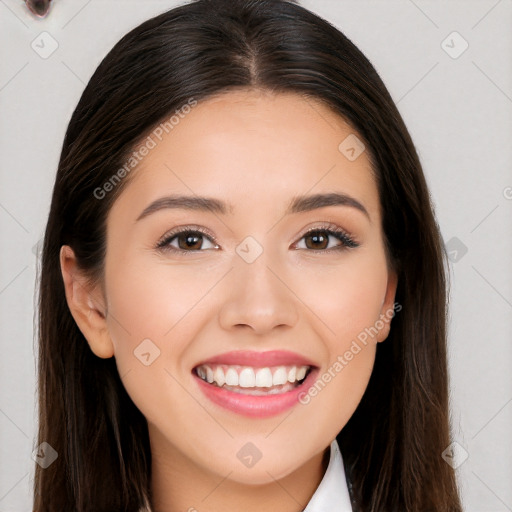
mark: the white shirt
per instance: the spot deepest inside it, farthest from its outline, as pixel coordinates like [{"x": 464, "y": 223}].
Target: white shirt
[{"x": 332, "y": 494}]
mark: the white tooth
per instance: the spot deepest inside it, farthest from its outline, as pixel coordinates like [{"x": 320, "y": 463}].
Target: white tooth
[
  {"x": 201, "y": 372},
  {"x": 218, "y": 376},
  {"x": 231, "y": 377},
  {"x": 209, "y": 374},
  {"x": 301, "y": 372},
  {"x": 280, "y": 376},
  {"x": 264, "y": 378},
  {"x": 292, "y": 373},
  {"x": 247, "y": 379}
]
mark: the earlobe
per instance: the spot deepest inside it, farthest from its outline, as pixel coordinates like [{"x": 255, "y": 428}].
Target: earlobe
[
  {"x": 388, "y": 307},
  {"x": 86, "y": 305}
]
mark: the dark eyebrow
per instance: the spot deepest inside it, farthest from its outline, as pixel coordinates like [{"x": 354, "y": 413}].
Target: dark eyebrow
[
  {"x": 202, "y": 204},
  {"x": 307, "y": 203},
  {"x": 297, "y": 205}
]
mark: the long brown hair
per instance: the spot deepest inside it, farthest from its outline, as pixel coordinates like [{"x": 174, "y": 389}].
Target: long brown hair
[{"x": 392, "y": 445}]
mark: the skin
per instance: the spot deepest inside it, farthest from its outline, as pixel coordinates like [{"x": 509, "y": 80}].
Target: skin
[{"x": 256, "y": 151}]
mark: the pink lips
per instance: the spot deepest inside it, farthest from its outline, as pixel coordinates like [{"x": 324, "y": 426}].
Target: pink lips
[
  {"x": 259, "y": 359},
  {"x": 253, "y": 405}
]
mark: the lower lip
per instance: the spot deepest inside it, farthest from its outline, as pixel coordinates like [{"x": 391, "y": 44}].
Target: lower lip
[{"x": 256, "y": 406}]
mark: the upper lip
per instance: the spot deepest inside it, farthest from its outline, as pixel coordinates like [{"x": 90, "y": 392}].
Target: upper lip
[{"x": 259, "y": 359}]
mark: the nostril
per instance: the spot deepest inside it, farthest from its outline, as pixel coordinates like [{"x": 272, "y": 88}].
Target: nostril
[{"x": 39, "y": 7}]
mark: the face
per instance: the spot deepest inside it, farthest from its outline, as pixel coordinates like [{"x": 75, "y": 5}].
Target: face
[{"x": 247, "y": 326}]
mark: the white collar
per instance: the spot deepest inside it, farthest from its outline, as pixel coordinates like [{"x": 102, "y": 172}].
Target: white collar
[{"x": 332, "y": 494}]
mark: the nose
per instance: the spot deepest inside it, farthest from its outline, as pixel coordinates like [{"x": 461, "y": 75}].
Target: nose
[{"x": 259, "y": 298}]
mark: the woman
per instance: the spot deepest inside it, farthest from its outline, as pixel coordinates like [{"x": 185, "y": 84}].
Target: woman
[{"x": 242, "y": 300}]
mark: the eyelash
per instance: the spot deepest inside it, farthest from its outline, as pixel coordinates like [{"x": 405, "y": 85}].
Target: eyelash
[{"x": 348, "y": 242}]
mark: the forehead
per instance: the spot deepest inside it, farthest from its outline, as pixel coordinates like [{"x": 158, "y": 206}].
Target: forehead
[{"x": 245, "y": 147}]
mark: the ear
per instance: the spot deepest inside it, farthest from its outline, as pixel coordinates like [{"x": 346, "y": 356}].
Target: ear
[
  {"x": 86, "y": 305},
  {"x": 387, "y": 311}
]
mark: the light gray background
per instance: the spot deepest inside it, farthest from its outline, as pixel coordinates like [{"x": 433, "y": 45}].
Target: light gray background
[{"x": 458, "y": 110}]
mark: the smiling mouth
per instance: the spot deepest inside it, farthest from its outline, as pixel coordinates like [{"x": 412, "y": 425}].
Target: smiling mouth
[{"x": 249, "y": 380}]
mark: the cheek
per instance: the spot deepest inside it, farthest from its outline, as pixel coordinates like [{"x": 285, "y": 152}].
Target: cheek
[
  {"x": 348, "y": 313},
  {"x": 151, "y": 301},
  {"x": 345, "y": 306},
  {"x": 151, "y": 321},
  {"x": 155, "y": 311},
  {"x": 337, "y": 391},
  {"x": 346, "y": 298}
]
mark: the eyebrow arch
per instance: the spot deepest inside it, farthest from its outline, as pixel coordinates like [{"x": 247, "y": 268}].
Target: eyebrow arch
[
  {"x": 203, "y": 204},
  {"x": 312, "y": 202},
  {"x": 298, "y": 204}
]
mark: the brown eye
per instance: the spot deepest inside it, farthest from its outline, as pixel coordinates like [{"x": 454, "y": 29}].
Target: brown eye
[
  {"x": 187, "y": 240},
  {"x": 318, "y": 240},
  {"x": 324, "y": 240}
]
